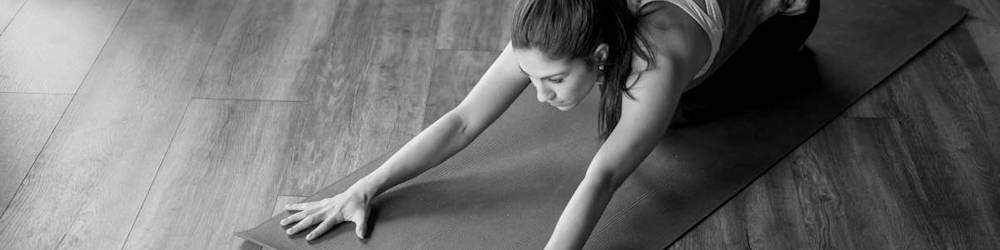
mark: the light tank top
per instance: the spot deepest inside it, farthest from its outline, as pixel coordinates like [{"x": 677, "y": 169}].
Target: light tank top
[
  {"x": 709, "y": 18},
  {"x": 729, "y": 22}
]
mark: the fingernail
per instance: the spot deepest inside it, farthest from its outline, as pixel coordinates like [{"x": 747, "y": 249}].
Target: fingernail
[{"x": 289, "y": 231}]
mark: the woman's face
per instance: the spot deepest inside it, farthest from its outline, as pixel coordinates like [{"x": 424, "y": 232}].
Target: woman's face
[{"x": 560, "y": 83}]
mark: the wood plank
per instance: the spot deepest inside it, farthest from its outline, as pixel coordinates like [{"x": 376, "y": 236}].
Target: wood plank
[
  {"x": 853, "y": 185},
  {"x": 983, "y": 22},
  {"x": 330, "y": 80},
  {"x": 765, "y": 215},
  {"x": 9, "y": 9},
  {"x": 948, "y": 113},
  {"x": 943, "y": 94},
  {"x": 475, "y": 25},
  {"x": 396, "y": 80},
  {"x": 772, "y": 211},
  {"x": 367, "y": 110},
  {"x": 986, "y": 9},
  {"x": 455, "y": 73},
  {"x": 715, "y": 232},
  {"x": 859, "y": 189},
  {"x": 948, "y": 99},
  {"x": 944, "y": 100},
  {"x": 725, "y": 229},
  {"x": 948, "y": 83},
  {"x": 220, "y": 175},
  {"x": 263, "y": 46},
  {"x": 27, "y": 121},
  {"x": 92, "y": 176},
  {"x": 52, "y": 44}
]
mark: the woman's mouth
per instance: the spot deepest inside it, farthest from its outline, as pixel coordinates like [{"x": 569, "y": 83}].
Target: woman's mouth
[{"x": 561, "y": 104}]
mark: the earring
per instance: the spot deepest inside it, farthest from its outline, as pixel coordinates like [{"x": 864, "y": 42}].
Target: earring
[{"x": 600, "y": 67}]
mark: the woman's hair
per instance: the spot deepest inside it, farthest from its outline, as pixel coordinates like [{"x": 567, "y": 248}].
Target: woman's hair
[{"x": 572, "y": 29}]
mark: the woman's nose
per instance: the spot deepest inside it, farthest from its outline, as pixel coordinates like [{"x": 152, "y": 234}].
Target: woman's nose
[{"x": 544, "y": 95}]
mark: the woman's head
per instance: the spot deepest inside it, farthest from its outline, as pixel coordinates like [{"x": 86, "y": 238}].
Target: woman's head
[
  {"x": 566, "y": 47},
  {"x": 560, "y": 82}
]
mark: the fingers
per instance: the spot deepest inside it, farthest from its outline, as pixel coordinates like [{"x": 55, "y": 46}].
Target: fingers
[
  {"x": 295, "y": 217},
  {"x": 360, "y": 220},
  {"x": 324, "y": 226},
  {"x": 300, "y": 206},
  {"x": 304, "y": 223},
  {"x": 298, "y": 216},
  {"x": 328, "y": 216}
]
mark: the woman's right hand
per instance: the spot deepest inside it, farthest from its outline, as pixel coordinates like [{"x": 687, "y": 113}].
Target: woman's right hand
[{"x": 347, "y": 206}]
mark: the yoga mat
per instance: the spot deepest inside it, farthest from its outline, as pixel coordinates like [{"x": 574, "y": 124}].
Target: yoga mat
[{"x": 508, "y": 188}]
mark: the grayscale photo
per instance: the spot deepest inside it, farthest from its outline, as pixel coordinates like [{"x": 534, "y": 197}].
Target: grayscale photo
[{"x": 499, "y": 124}]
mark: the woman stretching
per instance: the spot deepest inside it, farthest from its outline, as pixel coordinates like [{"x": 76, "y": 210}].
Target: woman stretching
[{"x": 641, "y": 54}]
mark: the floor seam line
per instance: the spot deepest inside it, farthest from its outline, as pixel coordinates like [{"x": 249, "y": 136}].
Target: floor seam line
[
  {"x": 65, "y": 110},
  {"x": 16, "y": 13},
  {"x": 245, "y": 100}
]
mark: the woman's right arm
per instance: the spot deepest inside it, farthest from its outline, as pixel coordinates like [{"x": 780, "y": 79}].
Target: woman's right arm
[{"x": 488, "y": 99}]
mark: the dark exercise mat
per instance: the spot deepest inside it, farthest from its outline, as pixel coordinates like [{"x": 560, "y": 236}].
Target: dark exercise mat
[{"x": 508, "y": 188}]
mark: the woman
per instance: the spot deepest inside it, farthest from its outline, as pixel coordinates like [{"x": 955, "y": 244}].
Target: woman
[{"x": 641, "y": 54}]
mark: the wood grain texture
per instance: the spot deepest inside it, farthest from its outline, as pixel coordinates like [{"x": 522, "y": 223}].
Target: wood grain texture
[
  {"x": 330, "y": 80},
  {"x": 27, "y": 121},
  {"x": 9, "y": 9},
  {"x": 947, "y": 96},
  {"x": 924, "y": 179},
  {"x": 51, "y": 44},
  {"x": 475, "y": 25},
  {"x": 766, "y": 215},
  {"x": 455, "y": 73},
  {"x": 92, "y": 176},
  {"x": 262, "y": 48},
  {"x": 852, "y": 186},
  {"x": 947, "y": 108},
  {"x": 367, "y": 87},
  {"x": 396, "y": 79},
  {"x": 983, "y": 22},
  {"x": 859, "y": 189},
  {"x": 220, "y": 175}
]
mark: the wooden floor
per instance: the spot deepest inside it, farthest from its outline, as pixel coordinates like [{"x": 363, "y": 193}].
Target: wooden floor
[{"x": 161, "y": 124}]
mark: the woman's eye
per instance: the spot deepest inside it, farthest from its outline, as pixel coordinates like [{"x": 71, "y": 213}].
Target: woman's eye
[{"x": 556, "y": 80}]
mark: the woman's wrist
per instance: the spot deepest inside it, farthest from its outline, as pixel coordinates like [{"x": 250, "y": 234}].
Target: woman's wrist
[{"x": 363, "y": 187}]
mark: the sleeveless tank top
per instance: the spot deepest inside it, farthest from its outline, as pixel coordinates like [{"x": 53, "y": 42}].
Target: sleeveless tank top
[{"x": 728, "y": 23}]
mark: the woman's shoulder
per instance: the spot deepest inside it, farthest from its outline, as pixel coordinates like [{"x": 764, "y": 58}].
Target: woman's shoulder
[
  {"x": 659, "y": 15},
  {"x": 669, "y": 34},
  {"x": 664, "y": 25}
]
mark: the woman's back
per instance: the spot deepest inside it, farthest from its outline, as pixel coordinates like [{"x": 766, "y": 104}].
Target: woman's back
[
  {"x": 738, "y": 21},
  {"x": 742, "y": 18}
]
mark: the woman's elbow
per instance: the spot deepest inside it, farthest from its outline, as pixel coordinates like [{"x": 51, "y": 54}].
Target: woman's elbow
[{"x": 605, "y": 178}]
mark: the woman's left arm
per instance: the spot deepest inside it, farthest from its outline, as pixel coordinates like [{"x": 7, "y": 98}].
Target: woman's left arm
[
  {"x": 681, "y": 48},
  {"x": 643, "y": 122}
]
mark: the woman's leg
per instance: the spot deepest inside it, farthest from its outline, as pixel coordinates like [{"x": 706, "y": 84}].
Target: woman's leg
[{"x": 772, "y": 53}]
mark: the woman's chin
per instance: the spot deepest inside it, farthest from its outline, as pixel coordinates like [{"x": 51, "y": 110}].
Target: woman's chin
[{"x": 565, "y": 108}]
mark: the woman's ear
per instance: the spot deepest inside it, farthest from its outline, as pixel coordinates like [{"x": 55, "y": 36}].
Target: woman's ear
[{"x": 601, "y": 53}]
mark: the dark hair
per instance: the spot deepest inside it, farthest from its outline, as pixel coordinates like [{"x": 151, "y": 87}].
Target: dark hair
[{"x": 572, "y": 29}]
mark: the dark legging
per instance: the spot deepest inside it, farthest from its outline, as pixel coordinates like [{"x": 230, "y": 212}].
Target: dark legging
[{"x": 772, "y": 55}]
